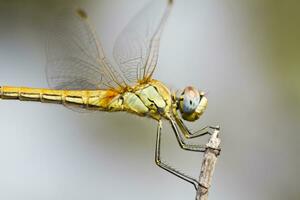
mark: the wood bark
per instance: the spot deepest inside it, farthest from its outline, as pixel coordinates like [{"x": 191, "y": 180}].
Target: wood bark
[{"x": 208, "y": 165}]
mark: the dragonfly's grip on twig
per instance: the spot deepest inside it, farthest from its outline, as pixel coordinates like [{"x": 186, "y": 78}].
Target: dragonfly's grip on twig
[{"x": 208, "y": 165}]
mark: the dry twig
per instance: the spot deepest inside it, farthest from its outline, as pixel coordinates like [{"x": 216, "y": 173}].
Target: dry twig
[{"x": 208, "y": 166}]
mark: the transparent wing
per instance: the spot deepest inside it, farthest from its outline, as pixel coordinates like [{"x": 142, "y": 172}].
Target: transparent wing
[
  {"x": 75, "y": 58},
  {"x": 136, "y": 48}
]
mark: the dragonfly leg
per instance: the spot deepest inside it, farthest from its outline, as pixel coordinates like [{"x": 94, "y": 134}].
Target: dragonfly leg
[
  {"x": 189, "y": 134},
  {"x": 207, "y": 130},
  {"x": 183, "y": 144},
  {"x": 167, "y": 167}
]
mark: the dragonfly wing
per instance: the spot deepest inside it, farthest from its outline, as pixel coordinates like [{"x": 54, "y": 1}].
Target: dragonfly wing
[
  {"x": 136, "y": 48},
  {"x": 75, "y": 58}
]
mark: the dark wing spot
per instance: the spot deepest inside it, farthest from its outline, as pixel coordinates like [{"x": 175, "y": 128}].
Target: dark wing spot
[{"x": 81, "y": 13}]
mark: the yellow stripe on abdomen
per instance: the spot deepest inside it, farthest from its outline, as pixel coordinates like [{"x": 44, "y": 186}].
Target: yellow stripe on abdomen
[{"x": 90, "y": 99}]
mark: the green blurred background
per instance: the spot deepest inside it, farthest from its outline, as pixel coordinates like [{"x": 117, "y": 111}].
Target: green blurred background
[{"x": 245, "y": 54}]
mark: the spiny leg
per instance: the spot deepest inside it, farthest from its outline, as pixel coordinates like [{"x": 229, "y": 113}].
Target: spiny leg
[
  {"x": 207, "y": 130},
  {"x": 189, "y": 134},
  {"x": 182, "y": 143},
  {"x": 165, "y": 166}
]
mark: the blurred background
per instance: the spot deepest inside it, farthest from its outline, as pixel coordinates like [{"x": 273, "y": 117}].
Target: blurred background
[{"x": 245, "y": 54}]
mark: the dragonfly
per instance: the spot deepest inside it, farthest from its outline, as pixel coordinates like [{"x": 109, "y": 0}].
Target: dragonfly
[{"x": 82, "y": 78}]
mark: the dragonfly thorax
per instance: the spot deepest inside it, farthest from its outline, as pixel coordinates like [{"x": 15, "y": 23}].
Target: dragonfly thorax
[{"x": 152, "y": 99}]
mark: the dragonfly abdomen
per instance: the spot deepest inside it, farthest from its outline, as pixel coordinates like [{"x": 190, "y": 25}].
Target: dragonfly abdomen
[{"x": 89, "y": 99}]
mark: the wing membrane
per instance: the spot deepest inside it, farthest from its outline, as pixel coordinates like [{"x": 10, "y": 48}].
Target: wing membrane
[
  {"x": 76, "y": 59},
  {"x": 136, "y": 49}
]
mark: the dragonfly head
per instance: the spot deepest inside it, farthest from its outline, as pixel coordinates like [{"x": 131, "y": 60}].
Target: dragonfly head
[{"x": 192, "y": 103}]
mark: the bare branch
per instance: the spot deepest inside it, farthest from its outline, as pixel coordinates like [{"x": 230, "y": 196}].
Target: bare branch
[{"x": 208, "y": 166}]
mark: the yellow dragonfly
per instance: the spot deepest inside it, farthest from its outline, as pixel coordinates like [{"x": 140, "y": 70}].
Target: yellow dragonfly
[{"x": 81, "y": 76}]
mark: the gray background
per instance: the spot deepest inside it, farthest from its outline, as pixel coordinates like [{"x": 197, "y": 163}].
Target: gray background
[{"x": 245, "y": 54}]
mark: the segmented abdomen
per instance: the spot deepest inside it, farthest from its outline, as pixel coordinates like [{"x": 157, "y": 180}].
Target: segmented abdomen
[{"x": 89, "y": 99}]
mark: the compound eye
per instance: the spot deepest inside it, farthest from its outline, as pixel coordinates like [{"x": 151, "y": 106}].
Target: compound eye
[{"x": 191, "y": 100}]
